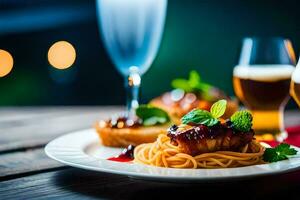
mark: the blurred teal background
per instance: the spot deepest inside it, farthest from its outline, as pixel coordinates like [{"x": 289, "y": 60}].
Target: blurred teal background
[{"x": 201, "y": 35}]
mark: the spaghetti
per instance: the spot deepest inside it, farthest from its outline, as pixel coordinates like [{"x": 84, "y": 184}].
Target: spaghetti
[{"x": 164, "y": 154}]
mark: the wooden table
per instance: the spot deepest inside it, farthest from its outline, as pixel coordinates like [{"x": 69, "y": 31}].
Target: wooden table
[{"x": 27, "y": 173}]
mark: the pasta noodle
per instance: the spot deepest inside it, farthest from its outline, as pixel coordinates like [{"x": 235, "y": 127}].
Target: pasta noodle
[{"x": 163, "y": 154}]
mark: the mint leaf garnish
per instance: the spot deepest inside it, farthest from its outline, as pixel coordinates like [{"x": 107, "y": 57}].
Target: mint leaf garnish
[
  {"x": 242, "y": 120},
  {"x": 218, "y": 109},
  {"x": 198, "y": 116},
  {"x": 280, "y": 152},
  {"x": 204, "y": 117},
  {"x": 151, "y": 115}
]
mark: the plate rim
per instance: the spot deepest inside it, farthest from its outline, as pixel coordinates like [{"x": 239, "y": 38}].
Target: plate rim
[{"x": 97, "y": 167}]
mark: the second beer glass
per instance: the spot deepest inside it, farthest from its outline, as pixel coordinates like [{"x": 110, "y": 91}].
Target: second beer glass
[{"x": 261, "y": 81}]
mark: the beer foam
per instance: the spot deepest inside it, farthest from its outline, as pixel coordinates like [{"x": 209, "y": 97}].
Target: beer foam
[{"x": 264, "y": 72}]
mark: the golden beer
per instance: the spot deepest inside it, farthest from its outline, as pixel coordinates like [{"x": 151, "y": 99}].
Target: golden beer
[{"x": 265, "y": 91}]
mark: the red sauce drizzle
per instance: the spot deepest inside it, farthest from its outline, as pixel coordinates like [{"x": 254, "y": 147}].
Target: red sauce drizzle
[
  {"x": 120, "y": 159},
  {"x": 125, "y": 156}
]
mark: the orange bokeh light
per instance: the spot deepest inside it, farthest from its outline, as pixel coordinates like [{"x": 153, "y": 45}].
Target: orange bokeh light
[
  {"x": 6, "y": 63},
  {"x": 62, "y": 55}
]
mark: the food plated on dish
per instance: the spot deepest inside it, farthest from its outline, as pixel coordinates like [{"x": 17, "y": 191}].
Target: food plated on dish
[
  {"x": 189, "y": 94},
  {"x": 122, "y": 132},
  {"x": 82, "y": 149},
  {"x": 203, "y": 140},
  {"x": 218, "y": 148}
]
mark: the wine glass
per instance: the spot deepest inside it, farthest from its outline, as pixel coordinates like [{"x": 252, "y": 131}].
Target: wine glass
[
  {"x": 132, "y": 31},
  {"x": 295, "y": 84},
  {"x": 261, "y": 81}
]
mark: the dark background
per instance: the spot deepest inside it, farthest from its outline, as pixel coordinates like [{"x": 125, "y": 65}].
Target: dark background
[{"x": 202, "y": 35}]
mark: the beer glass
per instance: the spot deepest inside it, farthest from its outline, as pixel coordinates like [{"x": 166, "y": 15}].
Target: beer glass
[
  {"x": 295, "y": 84},
  {"x": 262, "y": 79}
]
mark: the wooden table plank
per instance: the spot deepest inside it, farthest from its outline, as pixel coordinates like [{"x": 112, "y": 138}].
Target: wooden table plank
[
  {"x": 25, "y": 162},
  {"x": 81, "y": 184},
  {"x": 21, "y": 113},
  {"x": 13, "y": 116},
  {"x": 20, "y": 118},
  {"x": 15, "y": 160},
  {"x": 38, "y": 131}
]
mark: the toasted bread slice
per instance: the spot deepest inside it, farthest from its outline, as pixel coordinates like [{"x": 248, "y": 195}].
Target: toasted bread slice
[{"x": 122, "y": 137}]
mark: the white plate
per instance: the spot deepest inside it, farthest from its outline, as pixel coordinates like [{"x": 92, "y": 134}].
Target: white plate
[{"x": 82, "y": 149}]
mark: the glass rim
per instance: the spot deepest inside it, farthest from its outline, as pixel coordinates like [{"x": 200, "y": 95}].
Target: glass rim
[{"x": 265, "y": 38}]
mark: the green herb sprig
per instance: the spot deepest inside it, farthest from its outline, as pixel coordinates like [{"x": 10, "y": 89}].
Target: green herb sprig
[
  {"x": 151, "y": 115},
  {"x": 280, "y": 152},
  {"x": 193, "y": 84},
  {"x": 204, "y": 117}
]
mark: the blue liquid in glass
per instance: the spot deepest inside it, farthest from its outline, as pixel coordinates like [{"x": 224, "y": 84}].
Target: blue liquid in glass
[{"x": 131, "y": 31}]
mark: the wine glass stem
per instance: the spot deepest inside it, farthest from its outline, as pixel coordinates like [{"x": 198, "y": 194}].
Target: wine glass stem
[{"x": 132, "y": 84}]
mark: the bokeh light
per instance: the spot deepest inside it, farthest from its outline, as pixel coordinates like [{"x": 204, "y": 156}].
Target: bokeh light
[
  {"x": 62, "y": 55},
  {"x": 6, "y": 63}
]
